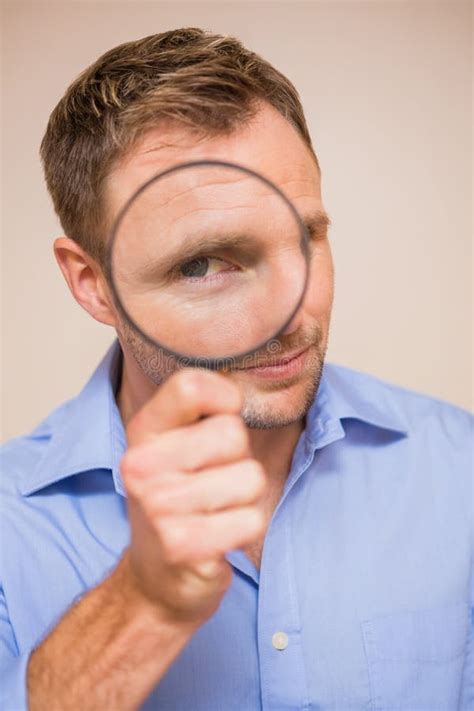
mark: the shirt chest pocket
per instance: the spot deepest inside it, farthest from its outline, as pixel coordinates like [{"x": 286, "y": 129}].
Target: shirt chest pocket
[{"x": 416, "y": 658}]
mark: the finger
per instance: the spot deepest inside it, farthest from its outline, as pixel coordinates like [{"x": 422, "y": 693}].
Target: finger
[
  {"x": 219, "y": 439},
  {"x": 182, "y": 399},
  {"x": 187, "y": 539},
  {"x": 214, "y": 489}
]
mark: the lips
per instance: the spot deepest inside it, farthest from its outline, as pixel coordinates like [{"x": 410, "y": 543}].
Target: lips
[{"x": 275, "y": 362}]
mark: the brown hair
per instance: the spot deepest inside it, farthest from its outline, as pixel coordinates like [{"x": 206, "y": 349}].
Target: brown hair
[{"x": 209, "y": 82}]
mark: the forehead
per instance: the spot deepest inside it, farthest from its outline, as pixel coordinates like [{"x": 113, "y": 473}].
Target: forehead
[{"x": 268, "y": 144}]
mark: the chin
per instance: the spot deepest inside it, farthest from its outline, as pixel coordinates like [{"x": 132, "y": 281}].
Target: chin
[{"x": 267, "y": 406}]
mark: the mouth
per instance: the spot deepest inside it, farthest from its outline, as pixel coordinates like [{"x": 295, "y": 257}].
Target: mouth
[{"x": 281, "y": 367}]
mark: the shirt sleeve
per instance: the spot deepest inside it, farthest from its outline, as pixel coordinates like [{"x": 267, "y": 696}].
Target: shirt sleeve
[{"x": 13, "y": 666}]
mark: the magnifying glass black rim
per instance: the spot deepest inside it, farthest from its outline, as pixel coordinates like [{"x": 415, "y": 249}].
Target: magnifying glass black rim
[{"x": 202, "y": 361}]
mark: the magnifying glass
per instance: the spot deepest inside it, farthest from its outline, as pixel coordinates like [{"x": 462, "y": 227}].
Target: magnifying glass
[{"x": 208, "y": 261}]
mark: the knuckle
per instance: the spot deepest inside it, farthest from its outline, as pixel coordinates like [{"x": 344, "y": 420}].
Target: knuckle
[
  {"x": 131, "y": 465},
  {"x": 188, "y": 384},
  {"x": 160, "y": 503},
  {"x": 173, "y": 541}
]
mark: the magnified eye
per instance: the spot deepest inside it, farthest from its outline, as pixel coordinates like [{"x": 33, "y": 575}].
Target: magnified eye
[{"x": 202, "y": 267}]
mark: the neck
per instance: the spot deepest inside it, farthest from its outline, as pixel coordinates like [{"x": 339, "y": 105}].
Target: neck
[{"x": 274, "y": 449}]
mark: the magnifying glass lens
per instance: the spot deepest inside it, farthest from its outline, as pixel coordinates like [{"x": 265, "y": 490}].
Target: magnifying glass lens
[{"x": 208, "y": 260}]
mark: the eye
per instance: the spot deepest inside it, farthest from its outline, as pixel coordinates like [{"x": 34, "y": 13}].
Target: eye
[{"x": 202, "y": 267}]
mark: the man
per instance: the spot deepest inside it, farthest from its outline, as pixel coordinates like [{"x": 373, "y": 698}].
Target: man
[{"x": 290, "y": 535}]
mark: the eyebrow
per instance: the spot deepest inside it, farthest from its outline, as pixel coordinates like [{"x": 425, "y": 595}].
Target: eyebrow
[
  {"x": 198, "y": 247},
  {"x": 315, "y": 222}
]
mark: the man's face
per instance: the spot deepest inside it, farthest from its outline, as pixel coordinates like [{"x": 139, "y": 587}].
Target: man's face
[{"x": 280, "y": 390}]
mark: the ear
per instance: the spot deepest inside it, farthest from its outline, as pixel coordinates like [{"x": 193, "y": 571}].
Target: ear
[{"x": 85, "y": 280}]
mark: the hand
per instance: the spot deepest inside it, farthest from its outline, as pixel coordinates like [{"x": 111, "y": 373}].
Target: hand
[{"x": 193, "y": 489}]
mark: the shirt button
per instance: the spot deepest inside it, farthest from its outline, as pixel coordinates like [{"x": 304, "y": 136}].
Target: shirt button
[{"x": 280, "y": 640}]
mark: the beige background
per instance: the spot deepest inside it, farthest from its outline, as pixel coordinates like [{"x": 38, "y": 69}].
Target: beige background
[{"x": 387, "y": 91}]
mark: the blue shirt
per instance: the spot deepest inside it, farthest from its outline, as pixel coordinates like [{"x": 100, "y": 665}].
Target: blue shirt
[{"x": 366, "y": 570}]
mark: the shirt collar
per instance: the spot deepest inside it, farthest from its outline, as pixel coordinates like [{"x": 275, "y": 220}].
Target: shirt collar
[
  {"x": 345, "y": 393},
  {"x": 87, "y": 432}
]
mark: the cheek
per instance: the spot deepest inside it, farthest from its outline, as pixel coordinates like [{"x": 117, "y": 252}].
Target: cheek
[{"x": 320, "y": 292}]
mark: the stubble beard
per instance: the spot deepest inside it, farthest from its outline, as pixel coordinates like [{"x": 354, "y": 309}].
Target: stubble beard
[{"x": 260, "y": 410}]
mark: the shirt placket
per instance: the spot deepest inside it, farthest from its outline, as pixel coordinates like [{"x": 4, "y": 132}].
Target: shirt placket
[
  {"x": 282, "y": 668},
  {"x": 282, "y": 671}
]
